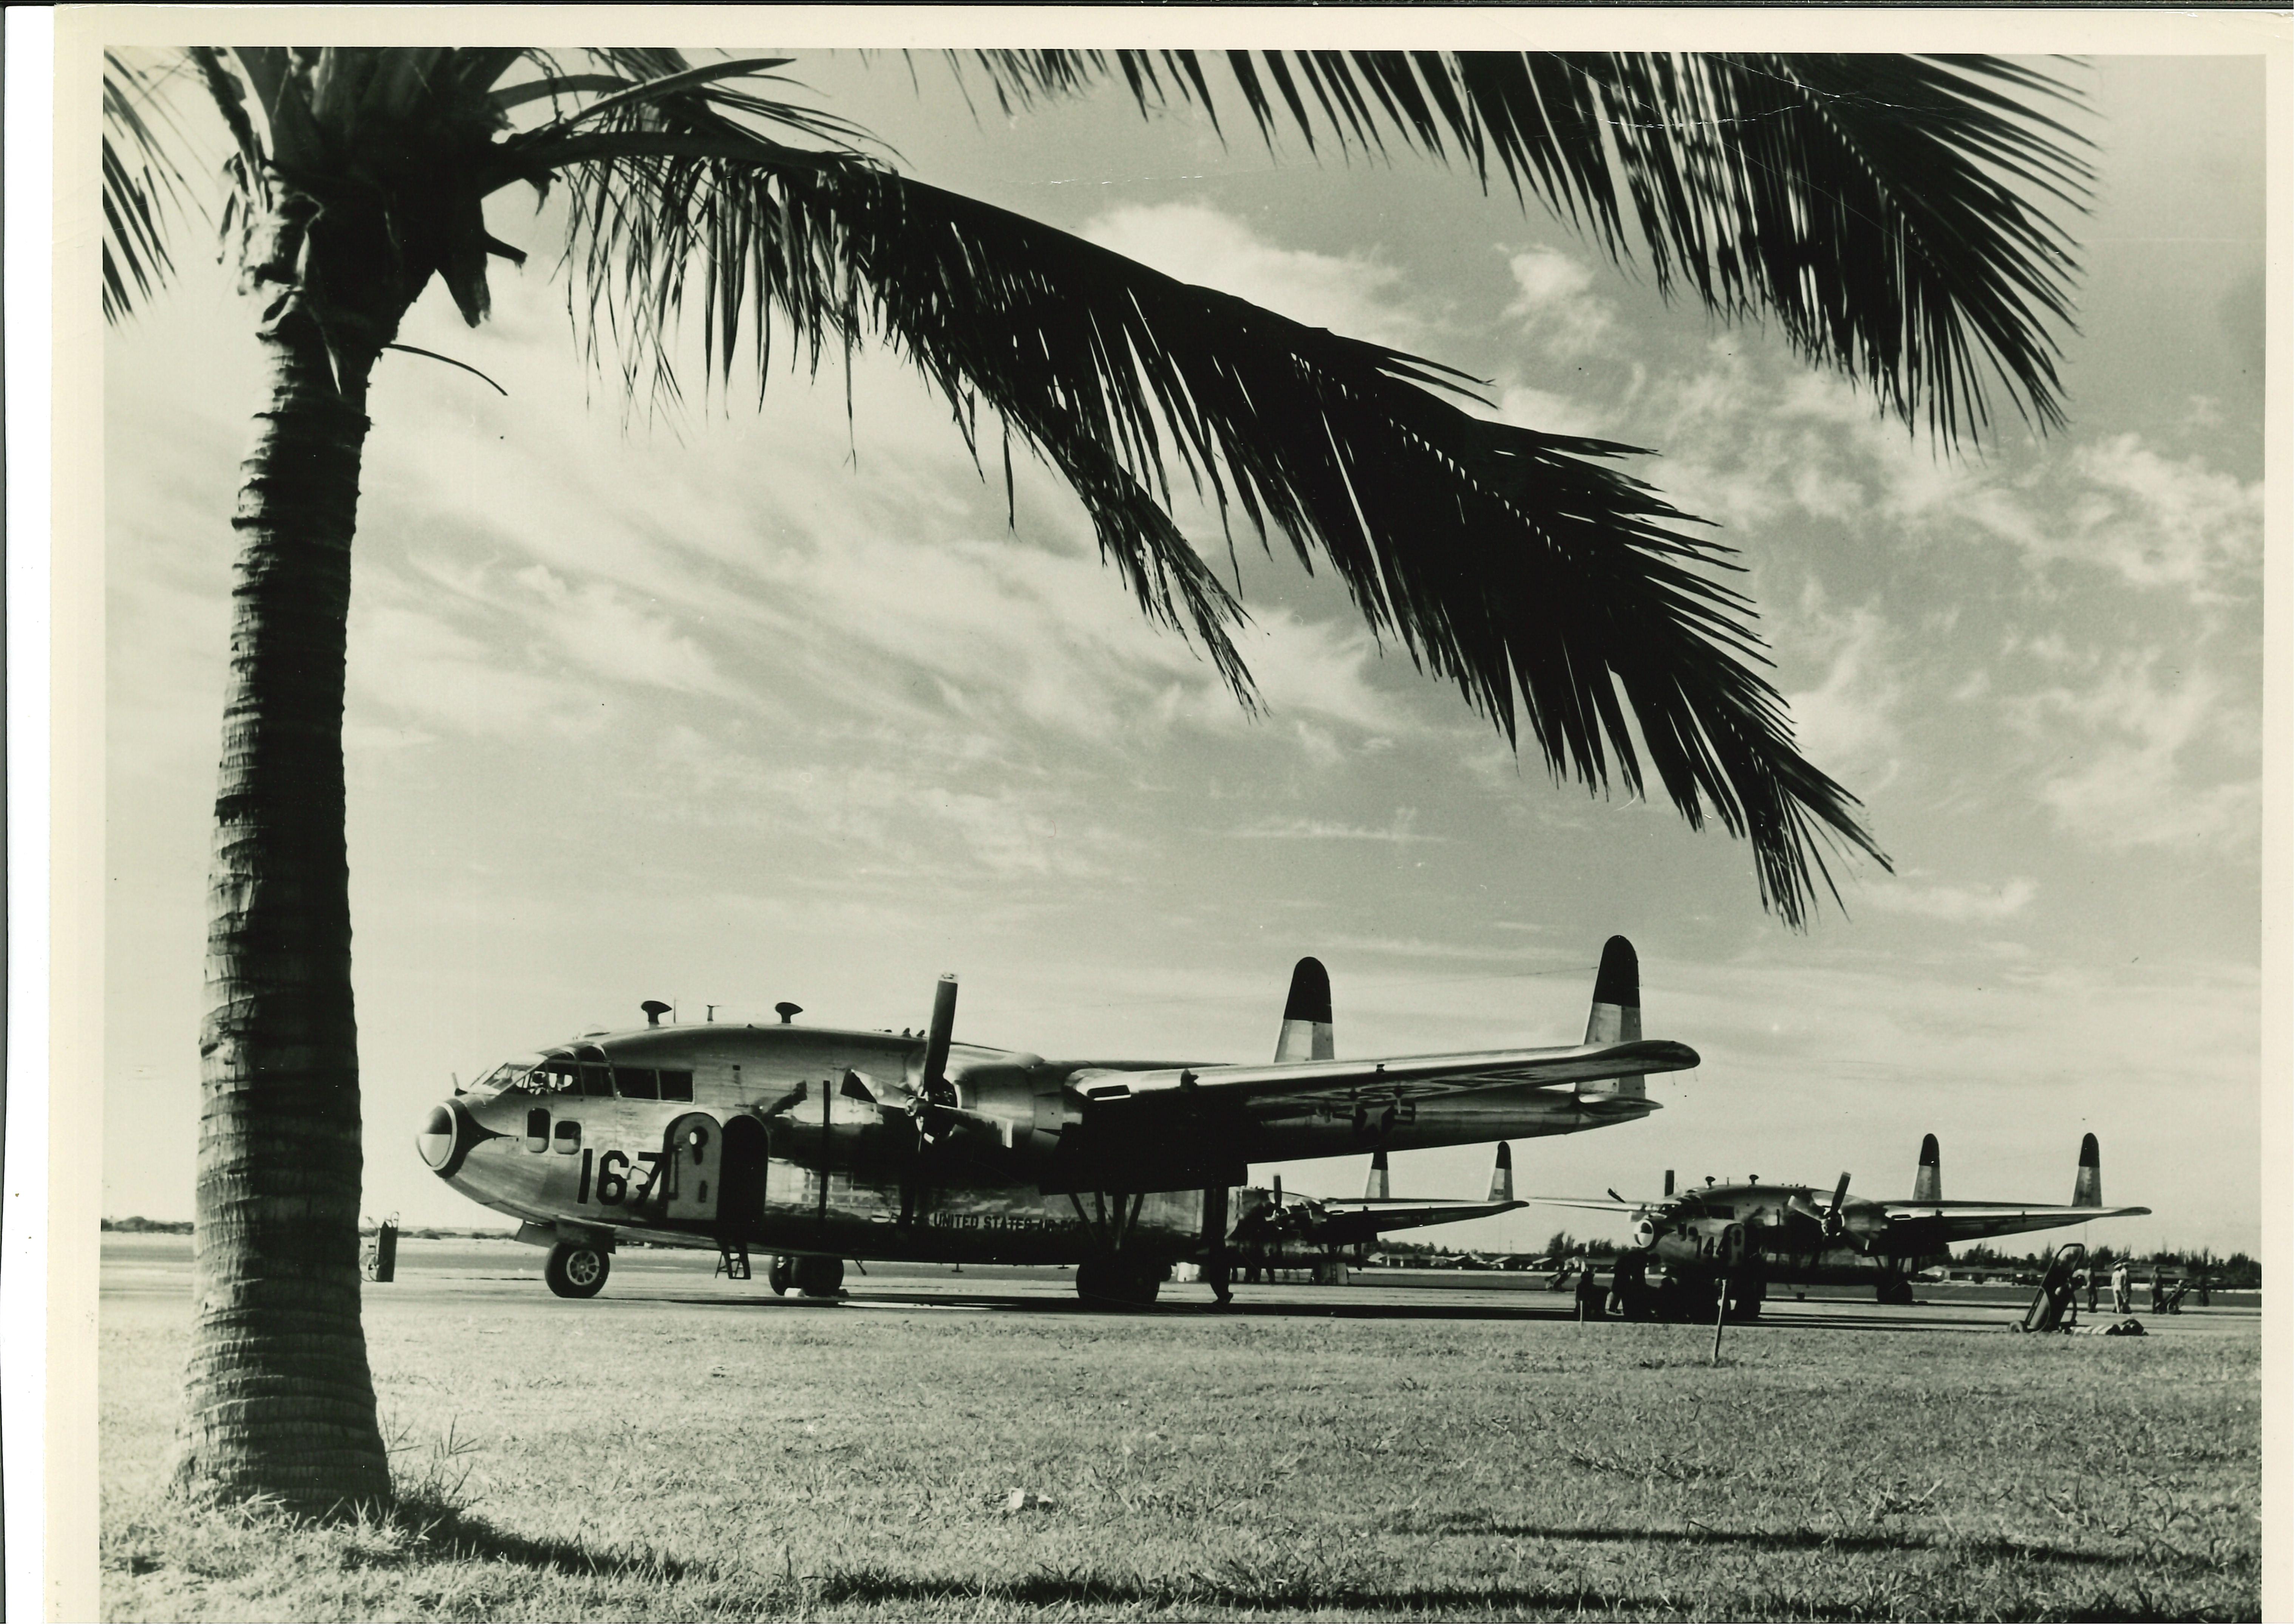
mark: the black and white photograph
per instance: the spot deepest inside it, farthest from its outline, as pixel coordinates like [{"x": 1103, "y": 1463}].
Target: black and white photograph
[{"x": 1095, "y": 813}]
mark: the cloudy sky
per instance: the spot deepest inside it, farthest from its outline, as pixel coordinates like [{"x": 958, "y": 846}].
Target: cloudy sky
[{"x": 730, "y": 704}]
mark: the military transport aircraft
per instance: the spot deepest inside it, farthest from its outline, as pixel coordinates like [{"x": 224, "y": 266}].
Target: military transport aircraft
[
  {"x": 1740, "y": 1236},
  {"x": 817, "y": 1145}
]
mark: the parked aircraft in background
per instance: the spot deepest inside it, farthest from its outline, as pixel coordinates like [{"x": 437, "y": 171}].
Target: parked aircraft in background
[
  {"x": 1273, "y": 1231},
  {"x": 1703, "y": 1240},
  {"x": 819, "y": 1145}
]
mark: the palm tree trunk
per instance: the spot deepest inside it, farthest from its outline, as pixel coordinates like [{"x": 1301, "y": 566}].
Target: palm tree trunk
[{"x": 279, "y": 1400}]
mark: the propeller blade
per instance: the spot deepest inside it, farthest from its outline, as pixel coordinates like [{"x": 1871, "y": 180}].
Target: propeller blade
[
  {"x": 1832, "y": 1224},
  {"x": 1614, "y": 1195},
  {"x": 943, "y": 1030}
]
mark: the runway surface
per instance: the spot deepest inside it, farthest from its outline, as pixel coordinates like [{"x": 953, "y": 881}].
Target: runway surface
[{"x": 503, "y": 1277}]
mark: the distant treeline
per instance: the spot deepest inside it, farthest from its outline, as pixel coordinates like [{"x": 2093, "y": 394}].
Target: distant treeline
[
  {"x": 2235, "y": 1273},
  {"x": 183, "y": 1226}
]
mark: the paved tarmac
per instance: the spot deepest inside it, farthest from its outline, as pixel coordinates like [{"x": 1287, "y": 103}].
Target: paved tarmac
[{"x": 507, "y": 1277}]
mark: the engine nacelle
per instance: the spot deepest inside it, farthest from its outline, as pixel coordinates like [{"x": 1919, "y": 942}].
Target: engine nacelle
[{"x": 1014, "y": 1114}]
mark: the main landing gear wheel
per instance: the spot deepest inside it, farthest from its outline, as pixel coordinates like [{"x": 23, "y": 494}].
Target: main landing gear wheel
[
  {"x": 818, "y": 1277},
  {"x": 780, "y": 1274},
  {"x": 576, "y": 1270},
  {"x": 1130, "y": 1282}
]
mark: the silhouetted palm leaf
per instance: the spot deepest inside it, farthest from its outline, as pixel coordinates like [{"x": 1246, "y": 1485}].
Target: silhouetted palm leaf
[
  {"x": 141, "y": 185},
  {"x": 1511, "y": 563},
  {"x": 1884, "y": 212},
  {"x": 1883, "y": 209}
]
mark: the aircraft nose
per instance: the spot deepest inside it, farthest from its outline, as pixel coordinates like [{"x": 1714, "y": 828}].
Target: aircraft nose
[
  {"x": 447, "y": 1136},
  {"x": 435, "y": 1141}
]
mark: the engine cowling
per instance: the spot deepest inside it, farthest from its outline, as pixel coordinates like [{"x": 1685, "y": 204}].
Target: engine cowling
[{"x": 1012, "y": 1114}]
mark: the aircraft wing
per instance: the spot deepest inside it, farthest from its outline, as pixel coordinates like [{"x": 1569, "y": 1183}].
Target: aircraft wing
[
  {"x": 1952, "y": 1220},
  {"x": 1344, "y": 1222},
  {"x": 1296, "y": 1087},
  {"x": 1596, "y": 1205}
]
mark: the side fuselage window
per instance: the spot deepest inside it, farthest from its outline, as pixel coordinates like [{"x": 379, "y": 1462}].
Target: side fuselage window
[
  {"x": 676, "y": 1085},
  {"x": 568, "y": 1138},
  {"x": 537, "y": 1130},
  {"x": 596, "y": 1082},
  {"x": 637, "y": 1083}
]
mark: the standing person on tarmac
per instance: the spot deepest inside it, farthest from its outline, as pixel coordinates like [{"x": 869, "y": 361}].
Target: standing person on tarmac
[{"x": 2122, "y": 1289}]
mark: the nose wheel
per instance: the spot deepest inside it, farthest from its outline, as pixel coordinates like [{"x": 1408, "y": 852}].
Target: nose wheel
[{"x": 576, "y": 1269}]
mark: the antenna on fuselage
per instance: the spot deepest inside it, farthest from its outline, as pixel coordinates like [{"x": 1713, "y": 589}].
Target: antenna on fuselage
[
  {"x": 709, "y": 1012},
  {"x": 654, "y": 1008},
  {"x": 787, "y": 1012}
]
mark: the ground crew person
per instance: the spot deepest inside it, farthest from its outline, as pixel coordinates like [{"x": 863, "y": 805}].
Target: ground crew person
[{"x": 2122, "y": 1289}]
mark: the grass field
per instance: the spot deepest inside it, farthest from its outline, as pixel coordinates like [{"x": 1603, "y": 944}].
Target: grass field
[{"x": 649, "y": 1461}]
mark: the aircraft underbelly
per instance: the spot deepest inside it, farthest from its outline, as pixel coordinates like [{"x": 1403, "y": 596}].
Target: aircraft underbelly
[
  {"x": 1010, "y": 1224},
  {"x": 1342, "y": 1128}
]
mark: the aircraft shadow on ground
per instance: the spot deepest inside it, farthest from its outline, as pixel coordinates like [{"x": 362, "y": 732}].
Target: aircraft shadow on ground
[
  {"x": 1786, "y": 1539},
  {"x": 1072, "y": 1306},
  {"x": 1323, "y": 1309},
  {"x": 456, "y": 1532},
  {"x": 1048, "y": 1590}
]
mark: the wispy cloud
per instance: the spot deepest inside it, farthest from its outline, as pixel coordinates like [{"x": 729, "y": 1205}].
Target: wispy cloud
[
  {"x": 1350, "y": 294},
  {"x": 1953, "y": 904},
  {"x": 1847, "y": 720},
  {"x": 1556, "y": 304},
  {"x": 1401, "y": 831},
  {"x": 2164, "y": 759}
]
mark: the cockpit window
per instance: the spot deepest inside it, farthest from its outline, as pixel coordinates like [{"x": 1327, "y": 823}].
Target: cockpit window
[{"x": 509, "y": 1074}]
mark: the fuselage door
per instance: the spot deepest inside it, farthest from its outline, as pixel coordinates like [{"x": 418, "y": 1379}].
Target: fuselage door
[{"x": 692, "y": 1169}]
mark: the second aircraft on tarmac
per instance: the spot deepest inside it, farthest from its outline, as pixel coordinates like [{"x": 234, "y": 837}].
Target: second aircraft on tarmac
[{"x": 1739, "y": 1238}]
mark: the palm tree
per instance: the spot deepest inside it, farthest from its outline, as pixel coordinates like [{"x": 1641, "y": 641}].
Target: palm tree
[{"x": 1887, "y": 214}]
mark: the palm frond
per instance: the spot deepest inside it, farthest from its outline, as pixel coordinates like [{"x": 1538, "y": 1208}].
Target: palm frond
[
  {"x": 144, "y": 187},
  {"x": 1556, "y": 593},
  {"x": 1889, "y": 212}
]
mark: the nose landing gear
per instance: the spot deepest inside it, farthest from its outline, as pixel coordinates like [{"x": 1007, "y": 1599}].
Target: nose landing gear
[{"x": 576, "y": 1269}]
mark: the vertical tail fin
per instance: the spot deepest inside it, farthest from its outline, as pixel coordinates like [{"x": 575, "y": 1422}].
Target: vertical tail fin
[
  {"x": 1306, "y": 1032},
  {"x": 1380, "y": 1187},
  {"x": 1927, "y": 1184},
  {"x": 1501, "y": 1176},
  {"x": 1616, "y": 1013},
  {"x": 2088, "y": 1189}
]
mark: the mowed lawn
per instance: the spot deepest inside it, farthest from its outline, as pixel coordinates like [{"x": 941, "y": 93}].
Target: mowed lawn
[{"x": 657, "y": 1461}]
